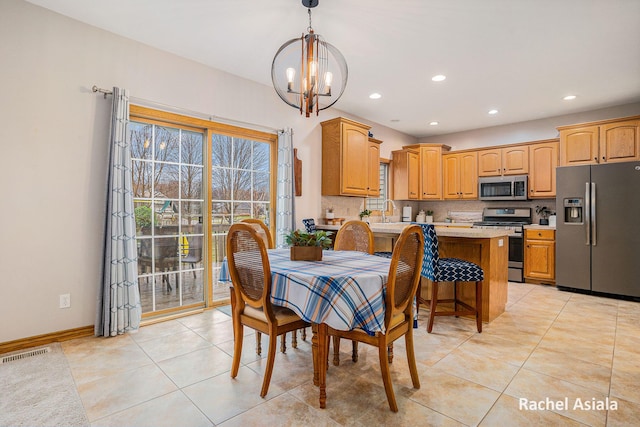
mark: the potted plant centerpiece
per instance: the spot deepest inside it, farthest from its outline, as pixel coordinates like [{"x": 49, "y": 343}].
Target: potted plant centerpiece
[{"x": 308, "y": 246}]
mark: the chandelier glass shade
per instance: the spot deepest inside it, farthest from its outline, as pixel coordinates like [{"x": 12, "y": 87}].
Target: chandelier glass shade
[{"x": 308, "y": 73}]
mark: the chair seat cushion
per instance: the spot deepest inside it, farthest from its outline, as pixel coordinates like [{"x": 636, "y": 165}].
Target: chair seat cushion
[
  {"x": 454, "y": 269},
  {"x": 283, "y": 315}
]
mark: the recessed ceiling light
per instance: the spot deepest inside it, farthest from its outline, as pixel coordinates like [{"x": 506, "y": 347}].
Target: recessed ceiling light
[
  {"x": 492, "y": 112},
  {"x": 395, "y": 120},
  {"x": 433, "y": 123},
  {"x": 569, "y": 97},
  {"x": 375, "y": 96},
  {"x": 438, "y": 78}
]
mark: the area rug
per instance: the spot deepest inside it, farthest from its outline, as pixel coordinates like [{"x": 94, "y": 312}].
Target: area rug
[{"x": 39, "y": 391}]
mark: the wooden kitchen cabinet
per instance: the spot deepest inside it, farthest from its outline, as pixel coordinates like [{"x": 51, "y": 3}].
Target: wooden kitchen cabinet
[
  {"x": 348, "y": 159},
  {"x": 373, "y": 188},
  {"x": 540, "y": 255},
  {"x": 460, "y": 175},
  {"x": 543, "y": 160},
  {"x": 431, "y": 170},
  {"x": 504, "y": 161},
  {"x": 406, "y": 174},
  {"x": 606, "y": 141}
]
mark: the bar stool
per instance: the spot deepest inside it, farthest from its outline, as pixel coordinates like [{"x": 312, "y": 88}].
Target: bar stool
[{"x": 454, "y": 270}]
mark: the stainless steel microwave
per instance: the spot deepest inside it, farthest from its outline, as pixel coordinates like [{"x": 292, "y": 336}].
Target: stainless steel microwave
[{"x": 503, "y": 187}]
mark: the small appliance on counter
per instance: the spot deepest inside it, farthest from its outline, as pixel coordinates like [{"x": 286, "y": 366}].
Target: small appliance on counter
[{"x": 406, "y": 214}]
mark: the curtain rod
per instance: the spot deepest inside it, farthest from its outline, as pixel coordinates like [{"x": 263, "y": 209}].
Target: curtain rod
[
  {"x": 180, "y": 110},
  {"x": 103, "y": 91}
]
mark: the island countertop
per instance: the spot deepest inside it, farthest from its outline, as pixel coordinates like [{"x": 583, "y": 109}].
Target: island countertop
[{"x": 396, "y": 228}]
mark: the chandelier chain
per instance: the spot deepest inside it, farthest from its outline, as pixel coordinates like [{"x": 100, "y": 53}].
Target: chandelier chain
[{"x": 309, "y": 28}]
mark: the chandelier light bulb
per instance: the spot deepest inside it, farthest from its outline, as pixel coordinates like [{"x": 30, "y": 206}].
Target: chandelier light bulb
[
  {"x": 328, "y": 79},
  {"x": 291, "y": 74}
]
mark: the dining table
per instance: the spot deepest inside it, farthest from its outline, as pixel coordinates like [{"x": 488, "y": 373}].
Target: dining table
[{"x": 345, "y": 290}]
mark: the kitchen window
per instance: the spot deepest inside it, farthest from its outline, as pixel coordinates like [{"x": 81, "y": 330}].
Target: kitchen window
[{"x": 377, "y": 204}]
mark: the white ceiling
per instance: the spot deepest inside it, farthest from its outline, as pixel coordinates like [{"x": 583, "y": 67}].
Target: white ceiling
[{"x": 520, "y": 57}]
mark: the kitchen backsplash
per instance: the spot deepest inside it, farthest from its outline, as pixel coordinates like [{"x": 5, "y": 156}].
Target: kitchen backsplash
[{"x": 350, "y": 207}]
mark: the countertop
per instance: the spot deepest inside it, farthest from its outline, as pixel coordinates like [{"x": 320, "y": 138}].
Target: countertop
[
  {"x": 539, "y": 227},
  {"x": 465, "y": 232}
]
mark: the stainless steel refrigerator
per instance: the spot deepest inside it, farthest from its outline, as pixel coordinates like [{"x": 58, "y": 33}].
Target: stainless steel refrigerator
[{"x": 598, "y": 228}]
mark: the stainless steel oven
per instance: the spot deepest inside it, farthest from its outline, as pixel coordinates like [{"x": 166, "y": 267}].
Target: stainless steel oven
[
  {"x": 514, "y": 220},
  {"x": 503, "y": 187}
]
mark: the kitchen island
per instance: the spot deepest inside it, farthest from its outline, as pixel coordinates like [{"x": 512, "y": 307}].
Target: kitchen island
[{"x": 488, "y": 248}]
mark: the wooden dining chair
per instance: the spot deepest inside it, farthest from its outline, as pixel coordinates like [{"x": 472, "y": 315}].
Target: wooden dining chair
[
  {"x": 352, "y": 236},
  {"x": 251, "y": 306},
  {"x": 309, "y": 225},
  {"x": 404, "y": 276},
  {"x": 265, "y": 234},
  {"x": 455, "y": 270}
]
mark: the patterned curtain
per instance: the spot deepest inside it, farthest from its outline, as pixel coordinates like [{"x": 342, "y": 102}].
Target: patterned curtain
[
  {"x": 119, "y": 307},
  {"x": 285, "y": 215}
]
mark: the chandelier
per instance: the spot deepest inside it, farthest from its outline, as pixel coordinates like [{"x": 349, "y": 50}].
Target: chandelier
[{"x": 308, "y": 73}]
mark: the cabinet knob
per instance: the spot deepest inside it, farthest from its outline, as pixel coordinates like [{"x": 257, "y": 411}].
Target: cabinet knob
[
  {"x": 603, "y": 158},
  {"x": 540, "y": 234}
]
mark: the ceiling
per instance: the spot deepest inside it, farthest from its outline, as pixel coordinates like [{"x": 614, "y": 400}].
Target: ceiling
[{"x": 520, "y": 57}]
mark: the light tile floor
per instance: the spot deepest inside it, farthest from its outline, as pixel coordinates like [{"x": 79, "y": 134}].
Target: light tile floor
[{"x": 548, "y": 346}]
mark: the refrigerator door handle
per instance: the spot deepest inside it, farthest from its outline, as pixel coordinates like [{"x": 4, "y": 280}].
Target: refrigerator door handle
[
  {"x": 587, "y": 212},
  {"x": 594, "y": 228}
]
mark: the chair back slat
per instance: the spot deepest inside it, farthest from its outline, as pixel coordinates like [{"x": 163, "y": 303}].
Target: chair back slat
[
  {"x": 248, "y": 264},
  {"x": 354, "y": 236},
  {"x": 431, "y": 256},
  {"x": 404, "y": 272}
]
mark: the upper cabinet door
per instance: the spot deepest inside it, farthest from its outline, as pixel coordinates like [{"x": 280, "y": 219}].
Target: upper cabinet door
[
  {"x": 431, "y": 171},
  {"x": 451, "y": 176},
  {"x": 373, "y": 187},
  {"x": 542, "y": 169},
  {"x": 620, "y": 142},
  {"x": 579, "y": 146},
  {"x": 355, "y": 166},
  {"x": 469, "y": 175},
  {"x": 490, "y": 162},
  {"x": 515, "y": 160}
]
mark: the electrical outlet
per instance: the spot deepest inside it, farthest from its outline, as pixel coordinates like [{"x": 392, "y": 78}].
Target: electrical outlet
[{"x": 65, "y": 300}]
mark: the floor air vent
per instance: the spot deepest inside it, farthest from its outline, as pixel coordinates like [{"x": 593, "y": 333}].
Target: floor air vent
[{"x": 24, "y": 355}]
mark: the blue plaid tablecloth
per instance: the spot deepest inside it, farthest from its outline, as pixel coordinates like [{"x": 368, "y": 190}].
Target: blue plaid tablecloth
[{"x": 345, "y": 290}]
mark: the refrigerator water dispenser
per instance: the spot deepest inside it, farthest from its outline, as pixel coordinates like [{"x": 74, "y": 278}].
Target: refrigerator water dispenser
[{"x": 573, "y": 210}]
